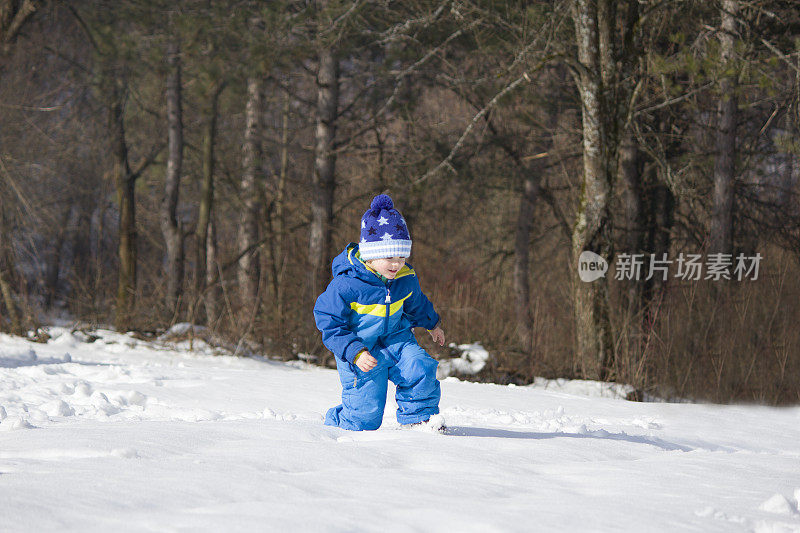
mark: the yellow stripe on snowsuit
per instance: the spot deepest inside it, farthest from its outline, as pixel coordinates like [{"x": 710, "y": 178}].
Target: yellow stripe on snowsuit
[{"x": 378, "y": 309}]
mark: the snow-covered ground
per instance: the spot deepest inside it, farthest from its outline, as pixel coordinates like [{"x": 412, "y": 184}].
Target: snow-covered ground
[{"x": 123, "y": 435}]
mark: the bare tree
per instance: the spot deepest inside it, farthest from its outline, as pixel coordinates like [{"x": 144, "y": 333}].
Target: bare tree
[
  {"x": 248, "y": 240},
  {"x": 323, "y": 179},
  {"x": 522, "y": 288},
  {"x": 124, "y": 177},
  {"x": 721, "y": 237},
  {"x": 276, "y": 220},
  {"x": 604, "y": 104},
  {"x": 7, "y": 275},
  {"x": 213, "y": 275},
  {"x": 170, "y": 227},
  {"x": 206, "y": 244},
  {"x": 124, "y": 180},
  {"x": 13, "y": 16},
  {"x": 630, "y": 171}
]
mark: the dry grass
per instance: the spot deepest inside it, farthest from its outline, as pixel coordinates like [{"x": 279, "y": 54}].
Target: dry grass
[
  {"x": 706, "y": 340},
  {"x": 729, "y": 341}
]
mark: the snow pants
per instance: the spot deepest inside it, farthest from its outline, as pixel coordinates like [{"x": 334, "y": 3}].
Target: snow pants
[{"x": 412, "y": 371}]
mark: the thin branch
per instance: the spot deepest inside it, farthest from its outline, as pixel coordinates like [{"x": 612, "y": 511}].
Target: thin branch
[
  {"x": 395, "y": 32},
  {"x": 399, "y": 77},
  {"x": 447, "y": 161},
  {"x": 19, "y": 107},
  {"x": 17, "y": 190},
  {"x": 84, "y": 27},
  {"x": 344, "y": 16},
  {"x": 147, "y": 161},
  {"x": 677, "y": 99},
  {"x": 27, "y": 9},
  {"x": 774, "y": 50}
]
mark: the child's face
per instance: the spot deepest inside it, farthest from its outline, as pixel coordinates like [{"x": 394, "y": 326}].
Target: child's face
[{"x": 389, "y": 267}]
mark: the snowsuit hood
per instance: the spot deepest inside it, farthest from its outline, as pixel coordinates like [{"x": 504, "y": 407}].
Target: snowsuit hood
[{"x": 347, "y": 263}]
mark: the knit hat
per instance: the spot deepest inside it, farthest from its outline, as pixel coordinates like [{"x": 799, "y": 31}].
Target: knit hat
[{"x": 383, "y": 231}]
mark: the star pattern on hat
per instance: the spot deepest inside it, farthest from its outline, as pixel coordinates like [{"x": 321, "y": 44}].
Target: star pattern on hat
[{"x": 384, "y": 231}]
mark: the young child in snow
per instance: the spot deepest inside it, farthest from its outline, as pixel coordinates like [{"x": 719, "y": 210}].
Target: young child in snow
[{"x": 366, "y": 316}]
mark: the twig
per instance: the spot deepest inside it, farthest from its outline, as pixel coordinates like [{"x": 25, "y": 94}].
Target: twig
[{"x": 447, "y": 161}]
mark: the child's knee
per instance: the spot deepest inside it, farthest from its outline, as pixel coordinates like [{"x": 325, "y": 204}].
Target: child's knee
[
  {"x": 417, "y": 362},
  {"x": 416, "y": 370},
  {"x": 421, "y": 368}
]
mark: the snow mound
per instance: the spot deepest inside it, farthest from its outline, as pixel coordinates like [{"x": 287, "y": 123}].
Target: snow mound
[
  {"x": 779, "y": 504},
  {"x": 182, "y": 329},
  {"x": 23, "y": 356},
  {"x": 472, "y": 360},
  {"x": 308, "y": 358},
  {"x": 587, "y": 388}
]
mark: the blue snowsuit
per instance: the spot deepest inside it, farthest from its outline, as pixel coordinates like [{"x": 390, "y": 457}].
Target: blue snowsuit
[{"x": 359, "y": 310}]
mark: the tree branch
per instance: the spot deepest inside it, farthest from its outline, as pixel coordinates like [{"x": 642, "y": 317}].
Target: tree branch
[
  {"x": 447, "y": 161},
  {"x": 146, "y": 162},
  {"x": 27, "y": 9}
]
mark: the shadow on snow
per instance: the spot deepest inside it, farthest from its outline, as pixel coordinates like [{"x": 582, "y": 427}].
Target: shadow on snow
[
  {"x": 600, "y": 434},
  {"x": 15, "y": 362}
]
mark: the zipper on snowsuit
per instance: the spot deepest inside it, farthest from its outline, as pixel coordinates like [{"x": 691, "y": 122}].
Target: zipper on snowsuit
[{"x": 388, "y": 302}]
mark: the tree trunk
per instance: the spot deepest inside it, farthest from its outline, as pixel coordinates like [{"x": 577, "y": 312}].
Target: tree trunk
[
  {"x": 787, "y": 198},
  {"x": 53, "y": 271},
  {"x": 323, "y": 180},
  {"x": 205, "y": 208},
  {"x": 630, "y": 170},
  {"x": 786, "y": 195},
  {"x": 124, "y": 182},
  {"x": 170, "y": 228},
  {"x": 99, "y": 251},
  {"x": 8, "y": 299},
  {"x": 277, "y": 223},
  {"x": 522, "y": 291},
  {"x": 213, "y": 275},
  {"x": 248, "y": 271},
  {"x": 592, "y": 229},
  {"x": 6, "y": 275},
  {"x": 721, "y": 238},
  {"x": 661, "y": 210}
]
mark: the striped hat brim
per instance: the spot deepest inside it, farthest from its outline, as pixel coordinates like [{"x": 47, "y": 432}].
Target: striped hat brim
[{"x": 383, "y": 249}]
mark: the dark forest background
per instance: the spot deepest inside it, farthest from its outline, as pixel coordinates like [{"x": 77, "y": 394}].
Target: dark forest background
[{"x": 202, "y": 161}]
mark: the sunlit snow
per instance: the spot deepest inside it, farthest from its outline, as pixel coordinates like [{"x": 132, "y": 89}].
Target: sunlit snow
[{"x": 121, "y": 434}]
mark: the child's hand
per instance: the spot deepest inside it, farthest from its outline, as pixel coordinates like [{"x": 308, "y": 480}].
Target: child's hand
[
  {"x": 365, "y": 361},
  {"x": 437, "y": 335}
]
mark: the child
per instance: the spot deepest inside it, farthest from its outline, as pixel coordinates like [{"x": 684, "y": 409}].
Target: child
[{"x": 366, "y": 316}]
